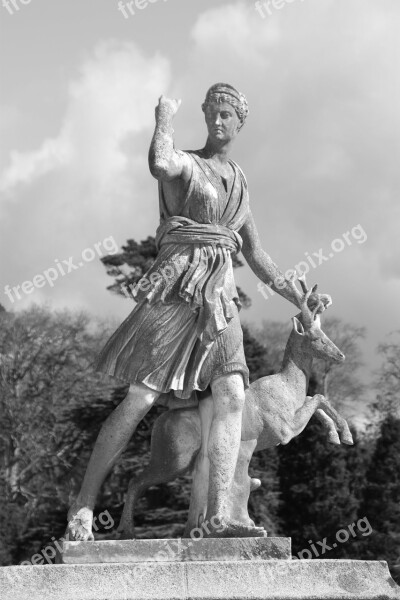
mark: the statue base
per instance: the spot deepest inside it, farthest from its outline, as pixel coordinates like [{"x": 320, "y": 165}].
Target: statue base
[
  {"x": 176, "y": 550},
  {"x": 140, "y": 570}
]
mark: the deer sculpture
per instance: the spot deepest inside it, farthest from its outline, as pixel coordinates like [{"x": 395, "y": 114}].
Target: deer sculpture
[{"x": 276, "y": 410}]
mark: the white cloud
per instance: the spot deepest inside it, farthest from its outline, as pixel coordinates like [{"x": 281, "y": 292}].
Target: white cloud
[
  {"x": 107, "y": 102},
  {"x": 88, "y": 182},
  {"x": 235, "y": 33}
]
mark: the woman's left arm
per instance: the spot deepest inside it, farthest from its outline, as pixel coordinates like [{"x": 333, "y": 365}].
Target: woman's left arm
[{"x": 263, "y": 266}]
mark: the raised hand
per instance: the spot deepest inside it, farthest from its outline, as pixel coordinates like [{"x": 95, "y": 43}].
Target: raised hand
[{"x": 167, "y": 106}]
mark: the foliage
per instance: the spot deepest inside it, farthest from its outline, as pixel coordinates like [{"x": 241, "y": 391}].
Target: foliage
[
  {"x": 45, "y": 368},
  {"x": 381, "y": 498},
  {"x": 317, "y": 496},
  {"x": 388, "y": 385}
]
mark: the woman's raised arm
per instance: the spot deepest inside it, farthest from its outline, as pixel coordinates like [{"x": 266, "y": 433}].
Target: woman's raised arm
[{"x": 165, "y": 162}]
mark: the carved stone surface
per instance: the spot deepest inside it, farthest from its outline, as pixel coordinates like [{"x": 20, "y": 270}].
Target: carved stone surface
[
  {"x": 184, "y": 336},
  {"x": 276, "y": 410},
  {"x": 233, "y": 580},
  {"x": 213, "y": 549}
]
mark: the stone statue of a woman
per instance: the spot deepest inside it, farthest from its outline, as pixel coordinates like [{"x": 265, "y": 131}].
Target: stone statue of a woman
[{"x": 184, "y": 337}]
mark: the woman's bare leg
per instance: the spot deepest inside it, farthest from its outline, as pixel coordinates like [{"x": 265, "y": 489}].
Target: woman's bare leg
[
  {"x": 113, "y": 438},
  {"x": 223, "y": 450}
]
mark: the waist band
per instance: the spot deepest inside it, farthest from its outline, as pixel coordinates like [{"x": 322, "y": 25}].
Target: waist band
[{"x": 182, "y": 230}]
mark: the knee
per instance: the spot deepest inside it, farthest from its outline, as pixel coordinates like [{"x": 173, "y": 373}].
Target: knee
[
  {"x": 141, "y": 395},
  {"x": 229, "y": 395},
  {"x": 237, "y": 402}
]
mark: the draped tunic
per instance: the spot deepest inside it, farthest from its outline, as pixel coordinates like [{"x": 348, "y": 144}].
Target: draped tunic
[{"x": 185, "y": 329}]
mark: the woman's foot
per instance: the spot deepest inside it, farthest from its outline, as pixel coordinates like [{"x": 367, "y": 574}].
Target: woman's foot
[
  {"x": 79, "y": 527},
  {"x": 234, "y": 529}
]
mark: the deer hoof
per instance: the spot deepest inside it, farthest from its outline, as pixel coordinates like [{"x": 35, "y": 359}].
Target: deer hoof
[
  {"x": 347, "y": 438},
  {"x": 333, "y": 438}
]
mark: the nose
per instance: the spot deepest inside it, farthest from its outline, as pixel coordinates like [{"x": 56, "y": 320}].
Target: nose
[
  {"x": 341, "y": 356},
  {"x": 217, "y": 119}
]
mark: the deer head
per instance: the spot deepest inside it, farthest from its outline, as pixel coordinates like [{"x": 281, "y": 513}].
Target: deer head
[{"x": 307, "y": 328}]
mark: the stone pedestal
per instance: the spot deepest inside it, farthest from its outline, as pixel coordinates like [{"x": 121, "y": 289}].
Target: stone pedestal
[
  {"x": 205, "y": 570},
  {"x": 179, "y": 550}
]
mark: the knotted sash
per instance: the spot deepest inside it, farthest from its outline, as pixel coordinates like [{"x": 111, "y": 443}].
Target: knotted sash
[
  {"x": 207, "y": 285},
  {"x": 181, "y": 230}
]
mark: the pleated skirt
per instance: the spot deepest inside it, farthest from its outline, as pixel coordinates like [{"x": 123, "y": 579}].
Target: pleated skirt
[{"x": 157, "y": 345}]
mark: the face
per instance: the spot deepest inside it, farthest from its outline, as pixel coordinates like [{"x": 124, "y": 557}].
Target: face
[{"x": 222, "y": 121}]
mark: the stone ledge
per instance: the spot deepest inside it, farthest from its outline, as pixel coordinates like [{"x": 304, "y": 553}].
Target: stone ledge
[
  {"x": 175, "y": 550},
  {"x": 235, "y": 580}
]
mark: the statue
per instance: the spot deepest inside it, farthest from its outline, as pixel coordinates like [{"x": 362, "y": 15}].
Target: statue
[
  {"x": 183, "y": 339},
  {"x": 276, "y": 410}
]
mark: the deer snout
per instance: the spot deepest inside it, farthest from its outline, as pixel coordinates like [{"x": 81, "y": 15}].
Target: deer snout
[{"x": 340, "y": 357}]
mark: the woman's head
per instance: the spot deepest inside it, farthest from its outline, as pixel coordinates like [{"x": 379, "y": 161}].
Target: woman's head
[{"x": 224, "y": 93}]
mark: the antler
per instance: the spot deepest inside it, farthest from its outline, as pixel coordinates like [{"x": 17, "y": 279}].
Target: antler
[{"x": 309, "y": 314}]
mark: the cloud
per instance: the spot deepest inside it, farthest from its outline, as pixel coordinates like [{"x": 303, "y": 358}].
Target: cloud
[
  {"x": 107, "y": 102},
  {"x": 320, "y": 150},
  {"x": 235, "y": 33},
  {"x": 88, "y": 182},
  {"x": 320, "y": 141}
]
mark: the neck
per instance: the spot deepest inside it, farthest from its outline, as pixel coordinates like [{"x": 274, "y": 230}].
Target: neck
[
  {"x": 216, "y": 151},
  {"x": 296, "y": 365}
]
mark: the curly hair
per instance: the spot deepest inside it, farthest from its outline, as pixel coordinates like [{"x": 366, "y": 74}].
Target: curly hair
[{"x": 223, "y": 92}]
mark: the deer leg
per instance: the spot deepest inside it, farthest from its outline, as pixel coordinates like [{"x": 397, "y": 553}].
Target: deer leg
[
  {"x": 199, "y": 491},
  {"x": 175, "y": 440},
  {"x": 328, "y": 425},
  {"x": 303, "y": 415},
  {"x": 340, "y": 422},
  {"x": 137, "y": 487}
]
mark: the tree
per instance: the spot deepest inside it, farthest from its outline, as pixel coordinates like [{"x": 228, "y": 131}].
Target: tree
[
  {"x": 316, "y": 486},
  {"x": 45, "y": 368},
  {"x": 340, "y": 382},
  {"x": 381, "y": 501},
  {"x": 273, "y": 335},
  {"x": 388, "y": 383}
]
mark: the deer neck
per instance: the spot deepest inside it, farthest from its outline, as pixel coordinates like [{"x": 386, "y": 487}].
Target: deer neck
[{"x": 296, "y": 365}]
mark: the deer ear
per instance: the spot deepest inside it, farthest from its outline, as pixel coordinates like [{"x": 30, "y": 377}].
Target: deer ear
[{"x": 297, "y": 326}]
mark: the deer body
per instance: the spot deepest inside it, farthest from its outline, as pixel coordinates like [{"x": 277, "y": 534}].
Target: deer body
[{"x": 276, "y": 410}]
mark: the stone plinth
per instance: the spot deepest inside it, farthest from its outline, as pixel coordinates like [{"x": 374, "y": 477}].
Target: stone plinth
[
  {"x": 176, "y": 550},
  {"x": 203, "y": 580}
]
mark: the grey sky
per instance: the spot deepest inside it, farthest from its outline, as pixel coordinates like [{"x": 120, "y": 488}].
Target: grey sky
[{"x": 320, "y": 148}]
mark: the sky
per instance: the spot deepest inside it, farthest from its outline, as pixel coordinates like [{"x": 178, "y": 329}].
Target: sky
[{"x": 320, "y": 148}]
